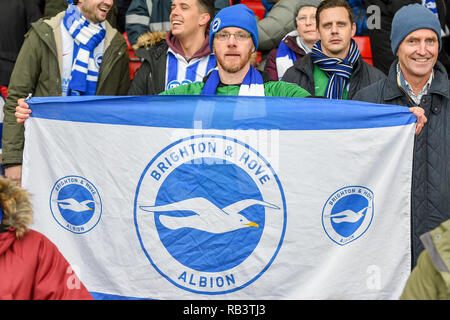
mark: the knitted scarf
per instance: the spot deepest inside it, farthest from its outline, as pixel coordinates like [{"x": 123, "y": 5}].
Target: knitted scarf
[
  {"x": 285, "y": 58},
  {"x": 252, "y": 85},
  {"x": 87, "y": 36},
  {"x": 339, "y": 70}
]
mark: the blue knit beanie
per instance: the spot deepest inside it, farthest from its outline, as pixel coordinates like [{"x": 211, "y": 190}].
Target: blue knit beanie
[
  {"x": 239, "y": 16},
  {"x": 411, "y": 18}
]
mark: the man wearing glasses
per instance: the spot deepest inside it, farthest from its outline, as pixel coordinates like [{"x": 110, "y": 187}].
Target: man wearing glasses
[{"x": 233, "y": 39}]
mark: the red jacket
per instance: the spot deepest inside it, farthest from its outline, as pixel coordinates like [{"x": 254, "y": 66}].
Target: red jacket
[{"x": 33, "y": 268}]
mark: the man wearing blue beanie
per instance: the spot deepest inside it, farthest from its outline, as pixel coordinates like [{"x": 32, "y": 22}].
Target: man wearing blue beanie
[
  {"x": 418, "y": 80},
  {"x": 233, "y": 40}
]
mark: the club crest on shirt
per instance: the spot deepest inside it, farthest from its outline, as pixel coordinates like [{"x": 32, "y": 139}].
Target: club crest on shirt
[
  {"x": 98, "y": 60},
  {"x": 175, "y": 83}
]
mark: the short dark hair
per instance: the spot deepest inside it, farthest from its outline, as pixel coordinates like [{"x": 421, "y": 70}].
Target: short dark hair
[
  {"x": 328, "y": 4},
  {"x": 207, "y": 6}
]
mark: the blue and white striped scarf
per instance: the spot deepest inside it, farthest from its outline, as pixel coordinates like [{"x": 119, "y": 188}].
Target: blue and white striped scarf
[
  {"x": 87, "y": 36},
  {"x": 339, "y": 70},
  {"x": 252, "y": 85},
  {"x": 431, "y": 5},
  {"x": 180, "y": 72}
]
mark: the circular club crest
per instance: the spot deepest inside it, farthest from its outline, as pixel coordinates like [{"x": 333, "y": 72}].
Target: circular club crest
[
  {"x": 348, "y": 213},
  {"x": 216, "y": 24},
  {"x": 210, "y": 214},
  {"x": 98, "y": 60},
  {"x": 75, "y": 204}
]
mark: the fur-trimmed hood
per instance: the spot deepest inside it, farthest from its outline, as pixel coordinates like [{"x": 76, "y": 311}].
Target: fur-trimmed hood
[
  {"x": 17, "y": 208},
  {"x": 152, "y": 38},
  {"x": 149, "y": 39}
]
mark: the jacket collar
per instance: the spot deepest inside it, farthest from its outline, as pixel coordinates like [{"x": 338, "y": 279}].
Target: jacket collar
[
  {"x": 439, "y": 85},
  {"x": 175, "y": 45},
  {"x": 54, "y": 41}
]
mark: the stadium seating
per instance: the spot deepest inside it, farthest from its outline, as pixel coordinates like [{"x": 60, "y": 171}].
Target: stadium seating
[
  {"x": 135, "y": 62},
  {"x": 364, "y": 48}
]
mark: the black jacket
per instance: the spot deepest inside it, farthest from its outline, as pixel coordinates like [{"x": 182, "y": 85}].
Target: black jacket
[
  {"x": 150, "y": 77},
  {"x": 302, "y": 73},
  {"x": 430, "y": 203}
]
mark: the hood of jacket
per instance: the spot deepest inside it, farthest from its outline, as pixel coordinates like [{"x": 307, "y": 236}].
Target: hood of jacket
[{"x": 17, "y": 211}]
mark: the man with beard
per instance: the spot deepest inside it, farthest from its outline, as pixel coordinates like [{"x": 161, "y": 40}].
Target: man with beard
[
  {"x": 76, "y": 52},
  {"x": 233, "y": 39}
]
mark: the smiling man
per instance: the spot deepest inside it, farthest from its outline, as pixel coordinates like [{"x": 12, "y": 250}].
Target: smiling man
[
  {"x": 76, "y": 52},
  {"x": 233, "y": 39},
  {"x": 179, "y": 56},
  {"x": 416, "y": 78},
  {"x": 334, "y": 69}
]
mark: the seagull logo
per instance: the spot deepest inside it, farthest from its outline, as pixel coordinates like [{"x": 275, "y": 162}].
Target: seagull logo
[
  {"x": 348, "y": 213},
  {"x": 210, "y": 213},
  {"x": 207, "y": 216},
  {"x": 74, "y": 205},
  {"x": 347, "y": 216}
]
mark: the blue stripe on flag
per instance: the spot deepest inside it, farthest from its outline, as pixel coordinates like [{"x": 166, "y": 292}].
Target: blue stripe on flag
[
  {"x": 107, "y": 296},
  {"x": 222, "y": 112}
]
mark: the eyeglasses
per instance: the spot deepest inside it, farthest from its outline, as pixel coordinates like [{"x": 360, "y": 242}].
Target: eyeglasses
[
  {"x": 238, "y": 36},
  {"x": 302, "y": 19}
]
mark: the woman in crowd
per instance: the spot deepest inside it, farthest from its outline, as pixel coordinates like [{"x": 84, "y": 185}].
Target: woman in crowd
[{"x": 296, "y": 43}]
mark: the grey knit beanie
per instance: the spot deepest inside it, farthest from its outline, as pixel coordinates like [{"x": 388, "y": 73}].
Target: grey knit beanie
[
  {"x": 411, "y": 18},
  {"x": 305, "y": 3}
]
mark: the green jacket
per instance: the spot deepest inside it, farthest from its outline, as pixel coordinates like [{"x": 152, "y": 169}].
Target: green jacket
[
  {"x": 38, "y": 71},
  {"x": 271, "y": 89},
  {"x": 430, "y": 279}
]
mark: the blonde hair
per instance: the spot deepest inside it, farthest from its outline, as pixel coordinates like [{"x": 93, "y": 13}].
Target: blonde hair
[
  {"x": 149, "y": 39},
  {"x": 16, "y": 205}
]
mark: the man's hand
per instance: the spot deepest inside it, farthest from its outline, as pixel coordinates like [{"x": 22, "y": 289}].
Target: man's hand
[
  {"x": 421, "y": 118},
  {"x": 22, "y": 111},
  {"x": 15, "y": 174}
]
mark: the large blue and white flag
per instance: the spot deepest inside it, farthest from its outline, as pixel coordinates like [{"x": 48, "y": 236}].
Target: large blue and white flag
[{"x": 220, "y": 197}]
